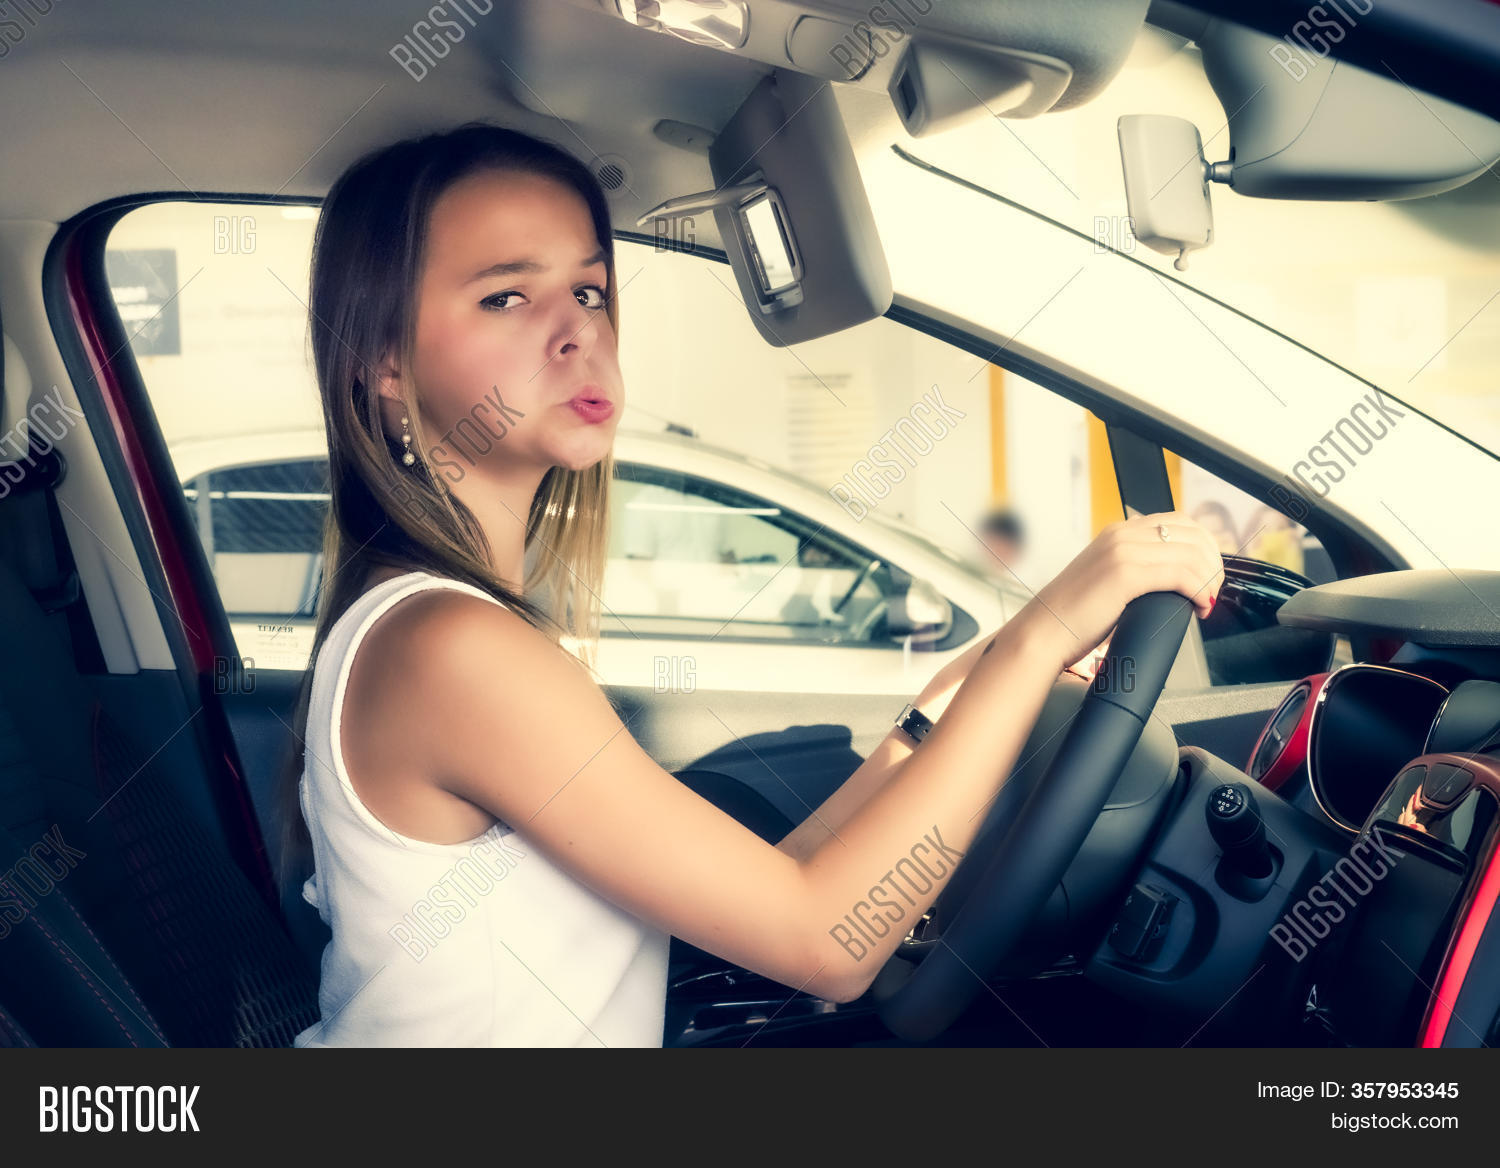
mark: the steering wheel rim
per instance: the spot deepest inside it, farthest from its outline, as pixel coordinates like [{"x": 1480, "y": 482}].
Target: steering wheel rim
[
  {"x": 860, "y": 630},
  {"x": 864, "y": 574},
  {"x": 918, "y": 1000}
]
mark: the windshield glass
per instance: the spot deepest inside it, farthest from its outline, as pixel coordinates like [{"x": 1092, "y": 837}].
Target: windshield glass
[{"x": 1401, "y": 293}]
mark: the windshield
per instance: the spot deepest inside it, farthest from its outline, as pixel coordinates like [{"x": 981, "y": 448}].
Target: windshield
[{"x": 1402, "y": 294}]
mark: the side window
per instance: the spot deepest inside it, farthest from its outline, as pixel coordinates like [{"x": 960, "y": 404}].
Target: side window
[
  {"x": 261, "y": 527},
  {"x": 1247, "y": 527},
  {"x": 212, "y": 297},
  {"x": 694, "y": 558},
  {"x": 262, "y": 531},
  {"x": 1267, "y": 558}
]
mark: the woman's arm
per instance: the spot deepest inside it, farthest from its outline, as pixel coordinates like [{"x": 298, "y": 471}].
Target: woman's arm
[
  {"x": 496, "y": 715},
  {"x": 883, "y": 762}
]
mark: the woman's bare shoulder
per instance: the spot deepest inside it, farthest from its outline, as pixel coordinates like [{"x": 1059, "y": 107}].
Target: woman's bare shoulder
[
  {"x": 432, "y": 623},
  {"x": 403, "y": 705}
]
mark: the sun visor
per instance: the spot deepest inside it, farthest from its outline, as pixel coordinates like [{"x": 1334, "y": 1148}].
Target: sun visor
[{"x": 792, "y": 212}]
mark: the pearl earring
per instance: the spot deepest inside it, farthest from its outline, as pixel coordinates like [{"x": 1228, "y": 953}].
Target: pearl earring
[{"x": 408, "y": 458}]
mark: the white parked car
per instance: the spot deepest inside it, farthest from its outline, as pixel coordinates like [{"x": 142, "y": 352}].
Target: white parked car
[{"x": 723, "y": 573}]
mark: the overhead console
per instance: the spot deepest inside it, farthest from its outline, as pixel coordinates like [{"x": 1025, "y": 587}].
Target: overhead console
[{"x": 939, "y": 59}]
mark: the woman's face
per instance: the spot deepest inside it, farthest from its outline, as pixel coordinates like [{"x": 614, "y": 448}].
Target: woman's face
[{"x": 511, "y": 328}]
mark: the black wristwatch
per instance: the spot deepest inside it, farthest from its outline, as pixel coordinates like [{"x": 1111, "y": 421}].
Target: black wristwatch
[{"x": 914, "y": 722}]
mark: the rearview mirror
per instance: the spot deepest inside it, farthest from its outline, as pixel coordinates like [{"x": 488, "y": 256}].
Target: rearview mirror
[{"x": 1304, "y": 127}]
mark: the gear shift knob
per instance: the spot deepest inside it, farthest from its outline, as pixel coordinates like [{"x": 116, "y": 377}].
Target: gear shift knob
[{"x": 1235, "y": 824}]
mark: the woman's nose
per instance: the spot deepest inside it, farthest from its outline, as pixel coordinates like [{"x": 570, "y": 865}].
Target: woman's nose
[{"x": 573, "y": 331}]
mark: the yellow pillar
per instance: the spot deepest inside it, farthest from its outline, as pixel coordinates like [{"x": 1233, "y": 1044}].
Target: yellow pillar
[
  {"x": 999, "y": 476},
  {"x": 1104, "y": 491},
  {"x": 1174, "y": 477}
]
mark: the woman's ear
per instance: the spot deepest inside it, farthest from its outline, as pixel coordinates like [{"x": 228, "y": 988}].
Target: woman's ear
[{"x": 388, "y": 390}]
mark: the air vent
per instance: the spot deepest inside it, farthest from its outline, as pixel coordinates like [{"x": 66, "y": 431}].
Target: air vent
[
  {"x": 611, "y": 172},
  {"x": 1279, "y": 732}
]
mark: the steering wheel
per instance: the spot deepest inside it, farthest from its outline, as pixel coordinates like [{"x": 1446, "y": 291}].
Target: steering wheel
[
  {"x": 859, "y": 631},
  {"x": 919, "y": 999},
  {"x": 864, "y": 574}
]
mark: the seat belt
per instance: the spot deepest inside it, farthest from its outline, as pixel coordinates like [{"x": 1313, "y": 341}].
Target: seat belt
[{"x": 37, "y": 545}]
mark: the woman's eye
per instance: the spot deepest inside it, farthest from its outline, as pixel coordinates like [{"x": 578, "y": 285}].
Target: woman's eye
[
  {"x": 590, "y": 296},
  {"x": 489, "y": 301}
]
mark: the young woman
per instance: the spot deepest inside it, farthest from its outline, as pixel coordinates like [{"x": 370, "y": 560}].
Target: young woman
[{"x": 500, "y": 863}]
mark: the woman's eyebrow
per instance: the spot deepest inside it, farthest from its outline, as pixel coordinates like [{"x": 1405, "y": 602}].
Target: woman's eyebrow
[{"x": 527, "y": 267}]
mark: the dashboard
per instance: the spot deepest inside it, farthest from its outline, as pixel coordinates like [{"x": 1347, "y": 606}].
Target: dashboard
[
  {"x": 1367, "y": 721},
  {"x": 1403, "y": 757}
]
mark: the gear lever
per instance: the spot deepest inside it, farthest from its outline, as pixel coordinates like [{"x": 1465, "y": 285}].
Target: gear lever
[{"x": 1235, "y": 824}]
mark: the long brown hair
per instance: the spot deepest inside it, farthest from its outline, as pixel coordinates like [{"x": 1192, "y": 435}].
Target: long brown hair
[{"x": 367, "y": 259}]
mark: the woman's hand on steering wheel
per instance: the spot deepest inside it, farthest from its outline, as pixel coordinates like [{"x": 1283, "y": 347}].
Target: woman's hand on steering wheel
[
  {"x": 1123, "y": 581},
  {"x": 1082, "y": 604}
]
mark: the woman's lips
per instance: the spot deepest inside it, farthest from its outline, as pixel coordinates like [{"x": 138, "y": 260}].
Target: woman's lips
[{"x": 592, "y": 409}]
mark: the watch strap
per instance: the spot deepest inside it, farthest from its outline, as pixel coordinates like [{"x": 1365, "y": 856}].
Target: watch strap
[{"x": 914, "y": 722}]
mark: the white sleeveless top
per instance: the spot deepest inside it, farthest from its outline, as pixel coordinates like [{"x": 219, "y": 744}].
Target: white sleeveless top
[{"x": 482, "y": 943}]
